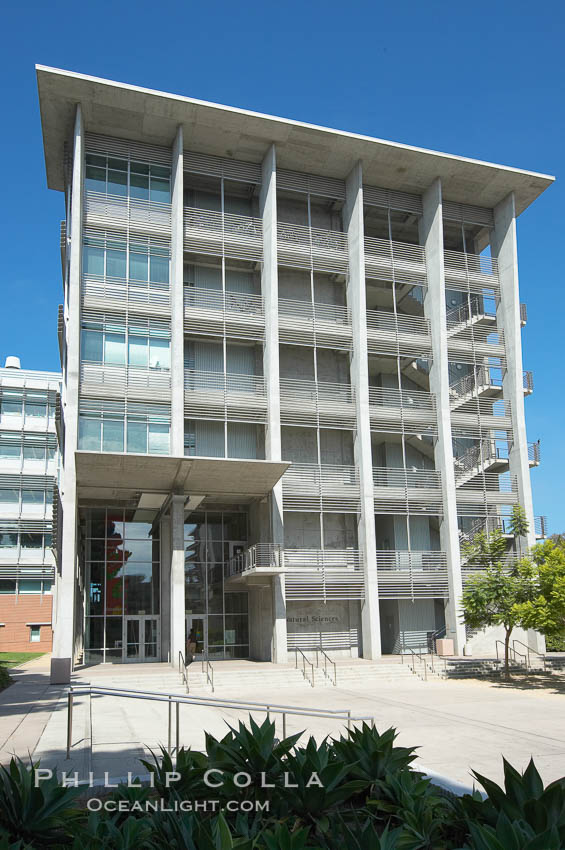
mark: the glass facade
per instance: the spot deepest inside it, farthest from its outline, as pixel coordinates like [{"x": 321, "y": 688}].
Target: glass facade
[
  {"x": 218, "y": 616},
  {"x": 121, "y": 550}
]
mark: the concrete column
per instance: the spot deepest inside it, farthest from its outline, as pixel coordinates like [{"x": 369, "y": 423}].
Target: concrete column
[
  {"x": 176, "y": 582},
  {"x": 177, "y": 300},
  {"x": 166, "y": 561},
  {"x": 270, "y": 290},
  {"x": 356, "y": 300},
  {"x": 503, "y": 246},
  {"x": 64, "y": 633},
  {"x": 431, "y": 237}
]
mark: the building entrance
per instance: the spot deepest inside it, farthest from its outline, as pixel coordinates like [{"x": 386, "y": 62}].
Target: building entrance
[
  {"x": 141, "y": 638},
  {"x": 199, "y": 627}
]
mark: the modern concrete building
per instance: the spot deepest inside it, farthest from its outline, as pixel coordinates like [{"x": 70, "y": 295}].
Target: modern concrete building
[
  {"x": 292, "y": 379},
  {"x": 28, "y": 475}
]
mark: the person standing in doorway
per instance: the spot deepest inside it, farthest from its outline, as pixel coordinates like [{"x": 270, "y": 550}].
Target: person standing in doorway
[{"x": 191, "y": 645}]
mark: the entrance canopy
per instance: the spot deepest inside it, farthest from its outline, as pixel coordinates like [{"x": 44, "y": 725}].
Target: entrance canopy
[{"x": 127, "y": 476}]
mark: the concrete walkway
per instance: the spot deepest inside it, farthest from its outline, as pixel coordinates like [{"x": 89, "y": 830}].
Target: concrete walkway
[
  {"x": 458, "y": 725},
  {"x": 26, "y": 707}
]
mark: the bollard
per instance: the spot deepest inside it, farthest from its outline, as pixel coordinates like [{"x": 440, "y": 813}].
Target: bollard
[{"x": 284, "y": 725}]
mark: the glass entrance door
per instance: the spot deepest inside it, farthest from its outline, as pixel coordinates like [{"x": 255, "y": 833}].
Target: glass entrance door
[
  {"x": 140, "y": 639},
  {"x": 197, "y": 631}
]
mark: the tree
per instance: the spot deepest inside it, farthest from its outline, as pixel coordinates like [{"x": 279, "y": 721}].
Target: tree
[
  {"x": 545, "y": 612},
  {"x": 519, "y": 525},
  {"x": 484, "y": 551},
  {"x": 494, "y": 597}
]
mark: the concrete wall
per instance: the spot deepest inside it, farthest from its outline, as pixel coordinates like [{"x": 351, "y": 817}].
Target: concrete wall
[{"x": 334, "y": 626}]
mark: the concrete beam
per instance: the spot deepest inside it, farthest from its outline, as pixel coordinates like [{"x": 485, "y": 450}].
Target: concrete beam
[
  {"x": 62, "y": 659},
  {"x": 177, "y": 299},
  {"x": 176, "y": 583},
  {"x": 431, "y": 237},
  {"x": 356, "y": 300},
  {"x": 270, "y": 290},
  {"x": 504, "y": 247}
]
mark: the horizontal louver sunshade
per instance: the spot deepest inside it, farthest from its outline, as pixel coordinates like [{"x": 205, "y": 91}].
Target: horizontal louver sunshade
[
  {"x": 467, "y": 213},
  {"x": 394, "y": 200},
  {"x": 126, "y": 148},
  {"x": 296, "y": 181},
  {"x": 217, "y": 166}
]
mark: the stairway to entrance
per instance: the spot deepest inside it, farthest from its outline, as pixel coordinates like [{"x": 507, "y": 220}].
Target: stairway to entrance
[{"x": 249, "y": 677}]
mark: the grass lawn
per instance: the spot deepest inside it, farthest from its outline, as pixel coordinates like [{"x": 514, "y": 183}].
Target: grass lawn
[{"x": 11, "y": 659}]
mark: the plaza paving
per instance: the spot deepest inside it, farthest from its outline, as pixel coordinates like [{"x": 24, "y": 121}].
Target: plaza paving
[{"x": 458, "y": 725}]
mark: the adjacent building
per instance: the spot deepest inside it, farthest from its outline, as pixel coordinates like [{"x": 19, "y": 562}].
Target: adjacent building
[
  {"x": 292, "y": 379},
  {"x": 28, "y": 477}
]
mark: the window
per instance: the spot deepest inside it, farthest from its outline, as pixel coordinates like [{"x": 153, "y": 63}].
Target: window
[
  {"x": 7, "y": 586},
  {"x": 109, "y": 345},
  {"x": 35, "y": 404},
  {"x": 31, "y": 541},
  {"x": 148, "y": 262},
  {"x": 32, "y": 452},
  {"x": 10, "y": 446},
  {"x": 116, "y": 176},
  {"x": 8, "y": 540},
  {"x": 29, "y": 586},
  {"x": 9, "y": 496},
  {"x": 34, "y": 634},
  {"x": 11, "y": 404},
  {"x": 32, "y": 497}
]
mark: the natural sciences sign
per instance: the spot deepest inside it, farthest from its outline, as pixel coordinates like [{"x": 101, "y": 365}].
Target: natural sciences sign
[{"x": 313, "y": 618}]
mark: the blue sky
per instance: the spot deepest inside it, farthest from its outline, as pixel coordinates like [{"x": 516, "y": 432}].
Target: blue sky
[{"x": 484, "y": 80}]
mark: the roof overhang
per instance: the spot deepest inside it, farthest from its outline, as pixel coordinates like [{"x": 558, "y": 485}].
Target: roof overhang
[
  {"x": 131, "y": 112},
  {"x": 127, "y": 476}
]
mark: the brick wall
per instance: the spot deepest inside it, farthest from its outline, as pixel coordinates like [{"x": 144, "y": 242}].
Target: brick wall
[{"x": 15, "y": 612}]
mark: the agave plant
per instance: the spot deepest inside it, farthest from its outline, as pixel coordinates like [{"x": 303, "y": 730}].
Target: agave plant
[
  {"x": 372, "y": 756},
  {"x": 41, "y": 815},
  {"x": 508, "y": 835},
  {"x": 322, "y": 782},
  {"x": 523, "y": 798},
  {"x": 190, "y": 765}
]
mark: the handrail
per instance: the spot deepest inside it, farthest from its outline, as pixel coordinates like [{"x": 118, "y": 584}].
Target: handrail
[
  {"x": 217, "y": 702},
  {"x": 209, "y": 670},
  {"x": 511, "y": 651},
  {"x": 530, "y": 649},
  {"x": 184, "y": 670},
  {"x": 413, "y": 660},
  {"x": 325, "y": 669},
  {"x": 305, "y": 661}
]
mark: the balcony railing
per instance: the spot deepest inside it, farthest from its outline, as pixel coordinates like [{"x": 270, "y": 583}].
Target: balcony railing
[
  {"x": 310, "y": 403},
  {"x": 259, "y": 556},
  {"x": 412, "y": 575},
  {"x": 212, "y": 232},
  {"x": 310, "y": 247},
  {"x": 313, "y": 487},
  {"x": 481, "y": 380},
  {"x": 534, "y": 453},
  {"x": 393, "y": 410},
  {"x": 459, "y": 264},
  {"x": 323, "y": 574},
  {"x": 304, "y": 322},
  {"x": 98, "y": 292},
  {"x": 409, "y": 399},
  {"x": 528, "y": 382},
  {"x": 241, "y": 312},
  {"x": 523, "y": 314},
  {"x": 125, "y": 381},
  {"x": 401, "y": 491},
  {"x": 241, "y": 396},
  {"x": 122, "y": 213},
  {"x": 503, "y": 524},
  {"x": 384, "y": 254}
]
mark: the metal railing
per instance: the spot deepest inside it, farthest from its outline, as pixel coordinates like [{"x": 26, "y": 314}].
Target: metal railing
[
  {"x": 238, "y": 236},
  {"x": 528, "y": 381},
  {"x": 412, "y": 660},
  {"x": 514, "y": 655},
  {"x": 381, "y": 320},
  {"x": 305, "y": 661},
  {"x": 209, "y": 670},
  {"x": 219, "y": 301},
  {"x": 470, "y": 309},
  {"x": 529, "y": 650},
  {"x": 109, "y": 379},
  {"x": 183, "y": 670},
  {"x": 534, "y": 453},
  {"x": 394, "y": 477},
  {"x": 470, "y": 265},
  {"x": 327, "y": 659},
  {"x": 214, "y": 702},
  {"x": 409, "y": 399},
  {"x": 313, "y": 312},
  {"x": 260, "y": 555},
  {"x": 523, "y": 314},
  {"x": 479, "y": 379}
]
